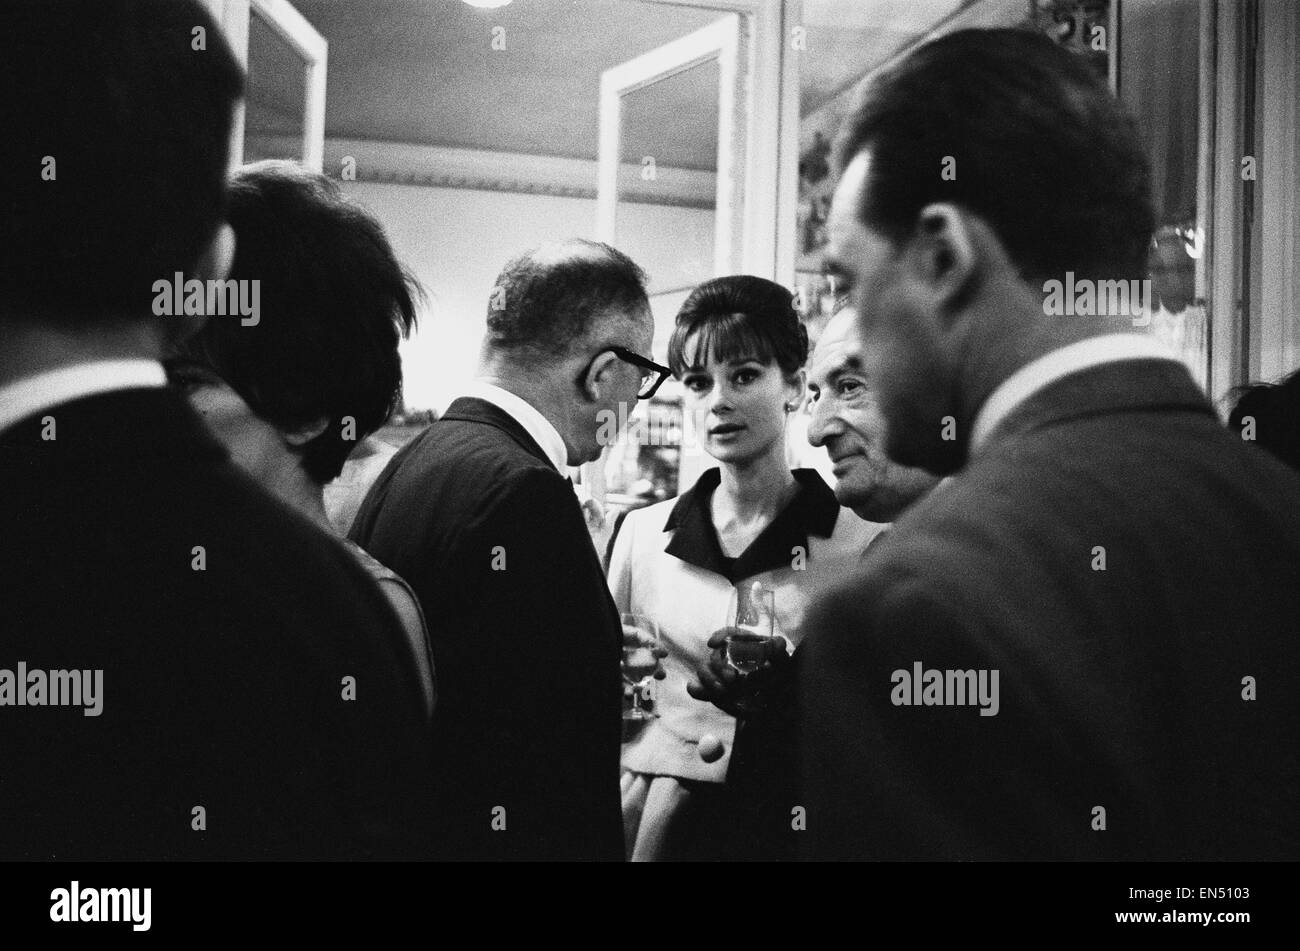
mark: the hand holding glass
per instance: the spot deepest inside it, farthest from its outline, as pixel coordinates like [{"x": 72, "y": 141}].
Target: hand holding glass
[
  {"x": 640, "y": 661},
  {"x": 751, "y": 620}
]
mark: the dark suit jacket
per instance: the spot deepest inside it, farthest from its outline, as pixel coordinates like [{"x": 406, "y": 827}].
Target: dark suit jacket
[
  {"x": 222, "y": 688},
  {"x": 1120, "y": 689},
  {"x": 525, "y": 637}
]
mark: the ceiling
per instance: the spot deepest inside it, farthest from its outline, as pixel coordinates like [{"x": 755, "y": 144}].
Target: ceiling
[{"x": 425, "y": 72}]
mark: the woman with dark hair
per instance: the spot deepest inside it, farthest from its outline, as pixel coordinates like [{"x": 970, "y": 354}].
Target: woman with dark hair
[
  {"x": 739, "y": 350},
  {"x": 292, "y": 391},
  {"x": 1268, "y": 414}
]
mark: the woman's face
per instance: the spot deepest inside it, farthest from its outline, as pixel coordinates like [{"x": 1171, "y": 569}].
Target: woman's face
[
  {"x": 254, "y": 445},
  {"x": 738, "y": 406}
]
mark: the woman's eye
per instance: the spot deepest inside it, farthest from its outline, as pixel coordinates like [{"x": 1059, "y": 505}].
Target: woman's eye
[
  {"x": 695, "y": 383},
  {"x": 746, "y": 376}
]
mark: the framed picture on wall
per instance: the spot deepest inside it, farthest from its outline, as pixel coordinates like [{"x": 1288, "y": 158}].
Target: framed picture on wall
[{"x": 816, "y": 185}]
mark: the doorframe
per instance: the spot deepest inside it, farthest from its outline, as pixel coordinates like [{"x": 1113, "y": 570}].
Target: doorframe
[{"x": 234, "y": 17}]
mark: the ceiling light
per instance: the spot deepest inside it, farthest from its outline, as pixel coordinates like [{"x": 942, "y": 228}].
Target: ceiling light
[{"x": 487, "y": 4}]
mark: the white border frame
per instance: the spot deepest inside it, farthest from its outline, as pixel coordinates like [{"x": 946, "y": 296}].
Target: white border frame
[
  {"x": 765, "y": 167},
  {"x": 718, "y": 41},
  {"x": 1223, "y": 271},
  {"x": 1278, "y": 190},
  {"x": 292, "y": 27}
]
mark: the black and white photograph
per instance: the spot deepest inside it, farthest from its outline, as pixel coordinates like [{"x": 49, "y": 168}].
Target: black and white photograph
[{"x": 741, "y": 433}]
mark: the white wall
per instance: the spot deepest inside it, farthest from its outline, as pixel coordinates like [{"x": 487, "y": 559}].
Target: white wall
[{"x": 455, "y": 241}]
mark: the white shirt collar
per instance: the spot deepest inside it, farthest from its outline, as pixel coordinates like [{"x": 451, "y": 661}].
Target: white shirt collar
[
  {"x": 1047, "y": 369},
  {"x": 527, "y": 416},
  {"x": 28, "y": 396}
]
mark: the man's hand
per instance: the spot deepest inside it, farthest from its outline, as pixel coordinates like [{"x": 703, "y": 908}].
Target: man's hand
[
  {"x": 726, "y": 689},
  {"x": 642, "y": 658}
]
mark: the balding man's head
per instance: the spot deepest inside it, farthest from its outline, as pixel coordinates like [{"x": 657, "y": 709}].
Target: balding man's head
[
  {"x": 569, "y": 329},
  {"x": 553, "y": 298}
]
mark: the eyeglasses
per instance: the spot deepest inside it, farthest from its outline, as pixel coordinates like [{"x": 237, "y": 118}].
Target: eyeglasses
[{"x": 652, "y": 374}]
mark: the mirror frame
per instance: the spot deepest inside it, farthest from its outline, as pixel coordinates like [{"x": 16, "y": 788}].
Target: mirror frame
[
  {"x": 291, "y": 26},
  {"x": 720, "y": 41}
]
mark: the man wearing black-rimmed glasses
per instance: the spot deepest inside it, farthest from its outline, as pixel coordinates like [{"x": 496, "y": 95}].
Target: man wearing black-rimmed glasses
[
  {"x": 652, "y": 374},
  {"x": 477, "y": 514}
]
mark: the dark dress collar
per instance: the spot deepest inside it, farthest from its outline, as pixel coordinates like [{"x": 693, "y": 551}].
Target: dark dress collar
[{"x": 812, "y": 511}]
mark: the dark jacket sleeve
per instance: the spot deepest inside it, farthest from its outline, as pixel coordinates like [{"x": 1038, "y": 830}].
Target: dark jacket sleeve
[{"x": 892, "y": 780}]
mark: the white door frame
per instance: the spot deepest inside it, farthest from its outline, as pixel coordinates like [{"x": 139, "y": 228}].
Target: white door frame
[
  {"x": 764, "y": 164},
  {"x": 719, "y": 41},
  {"x": 1278, "y": 191},
  {"x": 292, "y": 27}
]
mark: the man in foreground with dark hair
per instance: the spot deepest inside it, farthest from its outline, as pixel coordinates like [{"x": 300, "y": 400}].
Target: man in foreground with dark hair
[
  {"x": 189, "y": 669},
  {"x": 477, "y": 514},
  {"x": 1083, "y": 646}
]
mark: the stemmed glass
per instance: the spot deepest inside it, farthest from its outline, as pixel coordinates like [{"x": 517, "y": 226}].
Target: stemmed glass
[
  {"x": 640, "y": 639},
  {"x": 751, "y": 623}
]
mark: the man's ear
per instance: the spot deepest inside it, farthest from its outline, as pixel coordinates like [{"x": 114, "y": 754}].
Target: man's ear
[
  {"x": 945, "y": 253},
  {"x": 305, "y": 434},
  {"x": 215, "y": 261},
  {"x": 599, "y": 376}
]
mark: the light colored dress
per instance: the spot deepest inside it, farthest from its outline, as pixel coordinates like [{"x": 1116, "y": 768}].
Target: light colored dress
[{"x": 667, "y": 565}]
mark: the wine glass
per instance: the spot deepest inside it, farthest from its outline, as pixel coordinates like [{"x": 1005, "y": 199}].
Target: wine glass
[
  {"x": 640, "y": 638},
  {"x": 751, "y": 622}
]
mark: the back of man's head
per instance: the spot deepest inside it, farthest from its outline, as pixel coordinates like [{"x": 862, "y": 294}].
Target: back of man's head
[
  {"x": 121, "y": 114},
  {"x": 1019, "y": 131},
  {"x": 551, "y": 300}
]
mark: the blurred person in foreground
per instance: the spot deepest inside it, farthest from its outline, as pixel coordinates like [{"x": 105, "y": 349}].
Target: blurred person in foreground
[
  {"x": 187, "y": 639},
  {"x": 1083, "y": 646}
]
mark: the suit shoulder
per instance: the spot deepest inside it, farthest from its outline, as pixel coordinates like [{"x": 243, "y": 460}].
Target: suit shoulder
[
  {"x": 471, "y": 452},
  {"x": 852, "y": 534}
]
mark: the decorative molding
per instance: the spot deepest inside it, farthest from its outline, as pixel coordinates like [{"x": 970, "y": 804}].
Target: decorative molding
[{"x": 439, "y": 167}]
